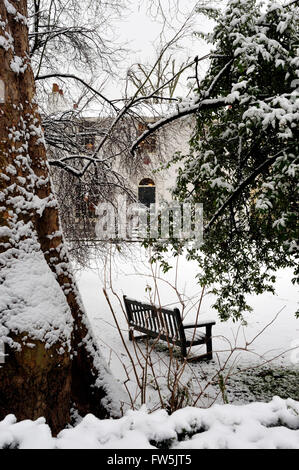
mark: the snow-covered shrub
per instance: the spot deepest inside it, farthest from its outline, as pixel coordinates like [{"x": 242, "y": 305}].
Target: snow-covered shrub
[{"x": 273, "y": 425}]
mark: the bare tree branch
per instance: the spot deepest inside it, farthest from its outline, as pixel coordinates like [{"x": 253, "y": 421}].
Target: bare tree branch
[
  {"x": 74, "y": 77},
  {"x": 181, "y": 112},
  {"x": 190, "y": 109}
]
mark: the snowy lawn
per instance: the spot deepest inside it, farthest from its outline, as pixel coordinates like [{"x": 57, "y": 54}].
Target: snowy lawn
[{"x": 239, "y": 373}]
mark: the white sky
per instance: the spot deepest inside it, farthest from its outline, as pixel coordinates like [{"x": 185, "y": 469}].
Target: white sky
[{"x": 142, "y": 33}]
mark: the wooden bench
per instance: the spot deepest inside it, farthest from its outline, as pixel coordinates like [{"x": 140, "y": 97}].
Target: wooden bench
[{"x": 167, "y": 325}]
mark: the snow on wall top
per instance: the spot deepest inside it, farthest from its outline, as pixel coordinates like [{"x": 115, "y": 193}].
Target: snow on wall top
[{"x": 273, "y": 425}]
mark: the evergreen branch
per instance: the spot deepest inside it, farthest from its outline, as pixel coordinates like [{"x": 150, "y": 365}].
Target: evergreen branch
[{"x": 267, "y": 163}]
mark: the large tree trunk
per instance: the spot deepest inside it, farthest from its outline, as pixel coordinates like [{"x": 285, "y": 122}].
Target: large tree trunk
[{"x": 52, "y": 362}]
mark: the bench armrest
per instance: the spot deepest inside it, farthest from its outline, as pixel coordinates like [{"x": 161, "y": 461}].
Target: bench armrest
[{"x": 198, "y": 325}]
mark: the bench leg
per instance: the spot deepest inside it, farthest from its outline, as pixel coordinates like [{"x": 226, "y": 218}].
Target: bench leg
[
  {"x": 209, "y": 342},
  {"x": 184, "y": 350},
  {"x": 131, "y": 336}
]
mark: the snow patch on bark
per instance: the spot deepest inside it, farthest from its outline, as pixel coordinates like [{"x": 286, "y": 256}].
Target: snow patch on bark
[
  {"x": 18, "y": 65},
  {"x": 32, "y": 302}
]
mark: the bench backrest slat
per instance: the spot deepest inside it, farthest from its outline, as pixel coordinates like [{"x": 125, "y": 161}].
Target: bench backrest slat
[
  {"x": 157, "y": 320},
  {"x": 171, "y": 326}
]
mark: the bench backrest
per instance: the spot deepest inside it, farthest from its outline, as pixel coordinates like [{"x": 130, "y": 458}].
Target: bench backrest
[{"x": 157, "y": 320}]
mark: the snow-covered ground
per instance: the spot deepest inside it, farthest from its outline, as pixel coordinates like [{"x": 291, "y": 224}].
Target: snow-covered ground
[
  {"x": 271, "y": 333},
  {"x": 238, "y": 374}
]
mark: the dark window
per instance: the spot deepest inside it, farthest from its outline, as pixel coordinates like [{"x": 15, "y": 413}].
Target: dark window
[{"x": 147, "y": 192}]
